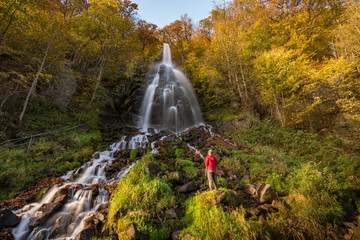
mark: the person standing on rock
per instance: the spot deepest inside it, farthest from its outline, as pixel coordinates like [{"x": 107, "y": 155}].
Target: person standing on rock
[{"x": 210, "y": 164}]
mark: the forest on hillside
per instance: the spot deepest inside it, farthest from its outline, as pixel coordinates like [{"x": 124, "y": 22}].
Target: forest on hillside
[
  {"x": 296, "y": 61},
  {"x": 279, "y": 80}
]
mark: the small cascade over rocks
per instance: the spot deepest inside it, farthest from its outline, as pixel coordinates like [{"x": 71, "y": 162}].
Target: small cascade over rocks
[
  {"x": 169, "y": 102},
  {"x": 66, "y": 209}
]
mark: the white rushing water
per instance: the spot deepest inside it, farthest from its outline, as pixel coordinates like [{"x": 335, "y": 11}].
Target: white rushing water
[
  {"x": 169, "y": 102},
  {"x": 68, "y": 222}
]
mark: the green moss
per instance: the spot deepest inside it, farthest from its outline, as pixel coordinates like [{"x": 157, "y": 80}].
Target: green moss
[
  {"x": 222, "y": 182},
  {"x": 179, "y": 153},
  {"x": 133, "y": 153},
  {"x": 204, "y": 219},
  {"x": 145, "y": 197},
  {"x": 187, "y": 166}
]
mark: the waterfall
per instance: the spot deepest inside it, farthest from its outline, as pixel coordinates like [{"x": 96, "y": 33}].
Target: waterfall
[{"x": 169, "y": 102}]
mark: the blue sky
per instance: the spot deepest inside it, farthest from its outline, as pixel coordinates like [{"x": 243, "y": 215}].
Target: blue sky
[{"x": 164, "y": 12}]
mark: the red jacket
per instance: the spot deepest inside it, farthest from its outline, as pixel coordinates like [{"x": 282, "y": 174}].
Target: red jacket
[{"x": 211, "y": 162}]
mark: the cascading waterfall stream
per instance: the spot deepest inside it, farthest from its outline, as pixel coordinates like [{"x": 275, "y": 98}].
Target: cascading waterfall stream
[
  {"x": 71, "y": 219},
  {"x": 169, "y": 102}
]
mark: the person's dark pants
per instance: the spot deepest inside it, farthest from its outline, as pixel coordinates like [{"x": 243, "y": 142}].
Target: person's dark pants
[{"x": 212, "y": 177}]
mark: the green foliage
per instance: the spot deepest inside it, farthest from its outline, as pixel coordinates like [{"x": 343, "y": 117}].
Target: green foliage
[
  {"x": 133, "y": 153},
  {"x": 20, "y": 169},
  {"x": 179, "y": 153},
  {"x": 162, "y": 234},
  {"x": 203, "y": 218},
  {"x": 87, "y": 139},
  {"x": 144, "y": 196},
  {"x": 233, "y": 164},
  {"x": 187, "y": 166},
  {"x": 222, "y": 182}
]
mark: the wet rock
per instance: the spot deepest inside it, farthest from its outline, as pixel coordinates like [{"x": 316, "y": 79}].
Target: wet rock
[
  {"x": 220, "y": 197},
  {"x": 98, "y": 216},
  {"x": 60, "y": 226},
  {"x": 6, "y": 235},
  {"x": 46, "y": 210},
  {"x": 40, "y": 234},
  {"x": 86, "y": 233},
  {"x": 8, "y": 219},
  {"x": 151, "y": 131},
  {"x": 188, "y": 187},
  {"x": 170, "y": 139},
  {"x": 97, "y": 155},
  {"x": 152, "y": 168}
]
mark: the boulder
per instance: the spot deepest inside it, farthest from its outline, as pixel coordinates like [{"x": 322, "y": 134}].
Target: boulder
[
  {"x": 133, "y": 233},
  {"x": 250, "y": 189},
  {"x": 86, "y": 233},
  {"x": 235, "y": 197},
  {"x": 220, "y": 197},
  {"x": 46, "y": 210},
  {"x": 96, "y": 155},
  {"x": 263, "y": 192},
  {"x": 266, "y": 194},
  {"x": 60, "y": 226},
  {"x": 152, "y": 168},
  {"x": 8, "y": 219},
  {"x": 188, "y": 187},
  {"x": 170, "y": 138}
]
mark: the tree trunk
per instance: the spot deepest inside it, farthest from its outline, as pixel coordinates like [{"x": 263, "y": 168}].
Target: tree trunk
[
  {"x": 7, "y": 96},
  {"x": 34, "y": 83},
  {"x": 97, "y": 82}
]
